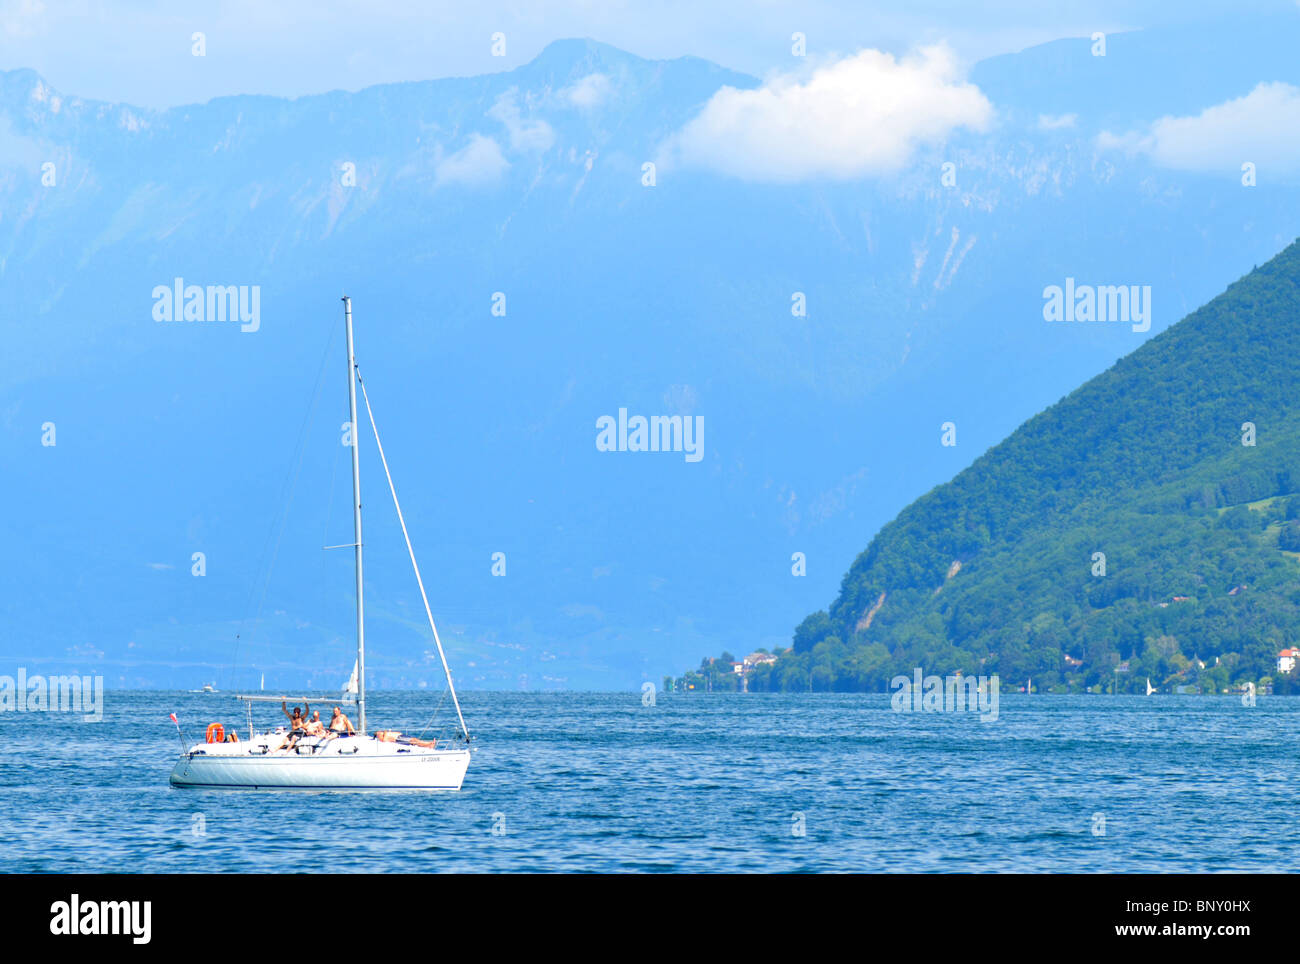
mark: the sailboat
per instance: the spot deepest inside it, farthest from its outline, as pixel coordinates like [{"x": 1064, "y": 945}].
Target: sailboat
[
  {"x": 384, "y": 760},
  {"x": 1150, "y": 689}
]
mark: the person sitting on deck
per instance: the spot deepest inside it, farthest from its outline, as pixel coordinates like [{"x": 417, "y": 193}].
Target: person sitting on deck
[
  {"x": 340, "y": 724},
  {"x": 314, "y": 727},
  {"x": 297, "y": 726}
]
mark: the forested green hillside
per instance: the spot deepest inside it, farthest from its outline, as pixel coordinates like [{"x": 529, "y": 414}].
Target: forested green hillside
[{"x": 997, "y": 572}]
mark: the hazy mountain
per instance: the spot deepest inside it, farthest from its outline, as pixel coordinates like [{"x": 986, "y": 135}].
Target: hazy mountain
[{"x": 924, "y": 306}]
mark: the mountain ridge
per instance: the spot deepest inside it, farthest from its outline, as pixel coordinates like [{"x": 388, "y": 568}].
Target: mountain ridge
[{"x": 1180, "y": 464}]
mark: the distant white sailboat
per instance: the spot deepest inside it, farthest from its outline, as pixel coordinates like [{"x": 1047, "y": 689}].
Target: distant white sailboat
[
  {"x": 277, "y": 759},
  {"x": 1150, "y": 689}
]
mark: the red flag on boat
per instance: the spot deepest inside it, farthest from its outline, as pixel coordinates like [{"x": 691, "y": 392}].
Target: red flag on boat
[{"x": 174, "y": 720}]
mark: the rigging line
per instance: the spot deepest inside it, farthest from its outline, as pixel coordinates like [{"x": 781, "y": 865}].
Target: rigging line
[
  {"x": 379, "y": 446},
  {"x": 289, "y": 486},
  {"x": 436, "y": 710}
]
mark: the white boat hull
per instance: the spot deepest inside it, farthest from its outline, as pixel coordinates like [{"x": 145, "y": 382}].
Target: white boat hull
[{"x": 356, "y": 763}]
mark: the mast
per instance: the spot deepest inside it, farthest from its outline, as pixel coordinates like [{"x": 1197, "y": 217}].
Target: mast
[{"x": 356, "y": 519}]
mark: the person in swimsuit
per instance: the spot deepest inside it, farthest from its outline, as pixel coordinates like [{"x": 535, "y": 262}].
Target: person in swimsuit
[
  {"x": 314, "y": 727},
  {"x": 340, "y": 724},
  {"x": 297, "y": 726}
]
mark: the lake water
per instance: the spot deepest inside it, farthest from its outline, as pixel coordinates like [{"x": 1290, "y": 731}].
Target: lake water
[{"x": 599, "y": 782}]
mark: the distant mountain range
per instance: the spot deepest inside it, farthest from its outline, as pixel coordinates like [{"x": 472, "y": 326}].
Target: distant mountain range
[{"x": 433, "y": 203}]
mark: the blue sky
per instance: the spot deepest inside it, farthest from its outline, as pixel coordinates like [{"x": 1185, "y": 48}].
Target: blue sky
[{"x": 118, "y": 52}]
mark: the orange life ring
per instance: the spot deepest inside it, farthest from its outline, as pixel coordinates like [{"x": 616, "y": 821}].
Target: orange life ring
[{"x": 216, "y": 733}]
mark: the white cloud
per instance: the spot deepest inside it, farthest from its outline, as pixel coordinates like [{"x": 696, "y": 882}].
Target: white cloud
[
  {"x": 1048, "y": 122},
  {"x": 590, "y": 91},
  {"x": 525, "y": 135},
  {"x": 863, "y": 115},
  {"x": 478, "y": 162},
  {"x": 1262, "y": 127}
]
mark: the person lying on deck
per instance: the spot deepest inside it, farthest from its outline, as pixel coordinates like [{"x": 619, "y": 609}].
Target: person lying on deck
[{"x": 395, "y": 736}]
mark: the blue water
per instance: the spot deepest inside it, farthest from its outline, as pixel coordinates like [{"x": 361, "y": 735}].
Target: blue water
[{"x": 599, "y": 782}]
